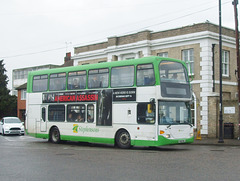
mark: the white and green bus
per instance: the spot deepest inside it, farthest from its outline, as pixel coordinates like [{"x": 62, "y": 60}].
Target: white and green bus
[{"x": 139, "y": 102}]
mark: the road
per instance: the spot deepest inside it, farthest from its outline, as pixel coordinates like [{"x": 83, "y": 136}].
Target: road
[{"x": 31, "y": 159}]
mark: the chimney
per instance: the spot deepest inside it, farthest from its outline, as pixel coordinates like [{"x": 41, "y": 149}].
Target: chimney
[{"x": 68, "y": 57}]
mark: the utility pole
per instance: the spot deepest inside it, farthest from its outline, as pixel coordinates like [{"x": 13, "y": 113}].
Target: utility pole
[
  {"x": 235, "y": 3},
  {"x": 220, "y": 75}
]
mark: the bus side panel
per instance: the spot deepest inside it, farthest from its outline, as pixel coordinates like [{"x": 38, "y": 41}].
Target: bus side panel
[
  {"x": 124, "y": 113},
  {"x": 33, "y": 119},
  {"x": 86, "y": 132},
  {"x": 34, "y": 101},
  {"x": 144, "y": 94}
]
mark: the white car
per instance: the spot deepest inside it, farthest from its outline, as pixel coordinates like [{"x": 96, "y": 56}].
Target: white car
[{"x": 11, "y": 125}]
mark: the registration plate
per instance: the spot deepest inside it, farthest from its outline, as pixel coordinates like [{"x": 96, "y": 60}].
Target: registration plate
[{"x": 182, "y": 141}]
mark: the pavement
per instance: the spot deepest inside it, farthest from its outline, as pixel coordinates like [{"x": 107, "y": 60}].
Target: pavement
[{"x": 215, "y": 141}]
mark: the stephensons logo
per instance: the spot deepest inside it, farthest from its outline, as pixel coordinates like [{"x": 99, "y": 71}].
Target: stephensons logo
[{"x": 77, "y": 128}]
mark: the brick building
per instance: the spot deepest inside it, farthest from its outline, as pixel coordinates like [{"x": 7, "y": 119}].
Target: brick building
[
  {"x": 198, "y": 45},
  {"x": 21, "y": 101}
]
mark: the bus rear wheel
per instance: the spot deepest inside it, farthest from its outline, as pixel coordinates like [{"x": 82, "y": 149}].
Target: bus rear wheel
[
  {"x": 55, "y": 135},
  {"x": 123, "y": 139}
]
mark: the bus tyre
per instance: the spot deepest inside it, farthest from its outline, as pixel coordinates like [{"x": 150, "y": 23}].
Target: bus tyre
[
  {"x": 123, "y": 139},
  {"x": 55, "y": 135}
]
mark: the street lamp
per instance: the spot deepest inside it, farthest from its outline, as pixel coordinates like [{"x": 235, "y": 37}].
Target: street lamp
[
  {"x": 235, "y": 3},
  {"x": 220, "y": 75}
]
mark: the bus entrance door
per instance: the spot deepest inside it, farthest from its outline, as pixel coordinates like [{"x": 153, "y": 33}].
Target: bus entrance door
[{"x": 43, "y": 122}]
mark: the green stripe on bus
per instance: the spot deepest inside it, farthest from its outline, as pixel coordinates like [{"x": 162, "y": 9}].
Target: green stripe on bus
[
  {"x": 161, "y": 141},
  {"x": 88, "y": 139}
]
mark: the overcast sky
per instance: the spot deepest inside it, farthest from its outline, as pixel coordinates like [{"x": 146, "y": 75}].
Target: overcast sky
[{"x": 39, "y": 32}]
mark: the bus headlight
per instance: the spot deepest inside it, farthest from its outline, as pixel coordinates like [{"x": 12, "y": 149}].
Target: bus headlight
[
  {"x": 167, "y": 136},
  {"x": 191, "y": 134}
]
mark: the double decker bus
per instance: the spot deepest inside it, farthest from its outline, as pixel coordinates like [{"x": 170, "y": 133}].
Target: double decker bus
[{"x": 138, "y": 102}]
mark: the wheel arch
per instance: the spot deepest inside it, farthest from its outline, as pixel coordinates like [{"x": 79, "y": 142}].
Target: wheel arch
[
  {"x": 117, "y": 132},
  {"x": 50, "y": 131}
]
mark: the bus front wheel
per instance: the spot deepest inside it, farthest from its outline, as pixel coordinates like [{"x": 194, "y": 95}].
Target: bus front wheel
[
  {"x": 123, "y": 139},
  {"x": 55, "y": 135}
]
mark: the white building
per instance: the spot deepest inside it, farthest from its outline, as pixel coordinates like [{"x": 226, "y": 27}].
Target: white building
[{"x": 198, "y": 46}]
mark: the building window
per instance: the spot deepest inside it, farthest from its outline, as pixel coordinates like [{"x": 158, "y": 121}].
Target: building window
[
  {"x": 188, "y": 57},
  {"x": 225, "y": 63},
  {"x": 163, "y": 54},
  {"x": 23, "y": 94}
]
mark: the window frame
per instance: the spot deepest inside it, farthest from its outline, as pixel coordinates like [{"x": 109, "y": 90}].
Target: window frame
[
  {"x": 23, "y": 94},
  {"x": 79, "y": 74},
  {"x": 97, "y": 73},
  {"x": 40, "y": 77},
  {"x": 92, "y": 110},
  {"x": 162, "y": 54},
  {"x": 76, "y": 114},
  {"x": 189, "y": 60},
  {"x": 56, "y": 106},
  {"x": 133, "y": 82},
  {"x": 57, "y": 76},
  {"x": 225, "y": 63},
  {"x": 142, "y": 70},
  {"x": 144, "y": 116}
]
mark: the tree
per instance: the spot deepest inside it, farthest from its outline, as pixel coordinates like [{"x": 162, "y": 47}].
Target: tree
[{"x": 8, "y": 103}]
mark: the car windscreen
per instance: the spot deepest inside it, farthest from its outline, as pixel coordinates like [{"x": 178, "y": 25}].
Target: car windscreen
[{"x": 12, "y": 121}]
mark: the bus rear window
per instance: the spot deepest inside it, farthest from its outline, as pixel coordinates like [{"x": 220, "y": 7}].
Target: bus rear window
[
  {"x": 40, "y": 83},
  {"x": 122, "y": 76}
]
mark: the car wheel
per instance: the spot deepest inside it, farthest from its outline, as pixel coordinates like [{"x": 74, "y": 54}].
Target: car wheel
[
  {"x": 123, "y": 139},
  {"x": 55, "y": 135}
]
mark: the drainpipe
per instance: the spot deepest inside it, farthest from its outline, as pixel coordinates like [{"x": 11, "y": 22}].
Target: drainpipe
[{"x": 213, "y": 61}]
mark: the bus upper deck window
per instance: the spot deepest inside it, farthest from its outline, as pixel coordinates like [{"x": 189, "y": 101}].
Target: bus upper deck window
[
  {"x": 98, "y": 78},
  {"x": 40, "y": 83},
  {"x": 122, "y": 76},
  {"x": 57, "y": 81},
  {"x": 145, "y": 75},
  {"x": 173, "y": 72},
  {"x": 77, "y": 80}
]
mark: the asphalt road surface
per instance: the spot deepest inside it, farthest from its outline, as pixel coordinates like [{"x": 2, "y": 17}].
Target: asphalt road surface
[{"x": 31, "y": 159}]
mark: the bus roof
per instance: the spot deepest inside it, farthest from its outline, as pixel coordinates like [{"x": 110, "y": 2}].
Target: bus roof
[{"x": 102, "y": 65}]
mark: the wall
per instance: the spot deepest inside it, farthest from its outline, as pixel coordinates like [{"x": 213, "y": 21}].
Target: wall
[{"x": 21, "y": 105}]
